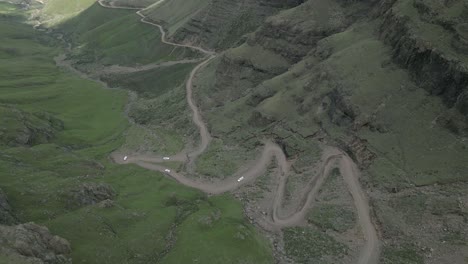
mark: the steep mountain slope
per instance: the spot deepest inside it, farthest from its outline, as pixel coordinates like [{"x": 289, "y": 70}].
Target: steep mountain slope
[
  {"x": 97, "y": 37},
  {"x": 215, "y": 24},
  {"x": 388, "y": 87},
  {"x": 431, "y": 44}
]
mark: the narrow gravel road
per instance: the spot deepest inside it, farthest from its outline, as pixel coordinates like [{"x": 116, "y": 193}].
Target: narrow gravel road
[{"x": 331, "y": 158}]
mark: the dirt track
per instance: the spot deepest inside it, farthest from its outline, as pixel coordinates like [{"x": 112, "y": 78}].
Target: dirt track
[{"x": 331, "y": 158}]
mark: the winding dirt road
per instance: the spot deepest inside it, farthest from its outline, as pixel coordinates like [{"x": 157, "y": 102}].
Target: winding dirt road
[{"x": 331, "y": 158}]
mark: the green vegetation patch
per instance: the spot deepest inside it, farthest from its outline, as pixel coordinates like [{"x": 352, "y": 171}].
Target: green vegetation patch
[
  {"x": 403, "y": 254},
  {"x": 168, "y": 111},
  {"x": 22, "y": 128},
  {"x": 307, "y": 245},
  {"x": 8, "y": 9},
  {"x": 98, "y": 35},
  {"x": 444, "y": 205},
  {"x": 56, "y": 11},
  {"x": 152, "y": 139},
  {"x": 259, "y": 58},
  {"x": 412, "y": 206},
  {"x": 220, "y": 161},
  {"x": 222, "y": 233},
  {"x": 329, "y": 216},
  {"x": 175, "y": 13},
  {"x": 152, "y": 83}
]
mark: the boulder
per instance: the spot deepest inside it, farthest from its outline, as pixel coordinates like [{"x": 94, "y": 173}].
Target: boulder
[
  {"x": 32, "y": 243},
  {"x": 89, "y": 194}
]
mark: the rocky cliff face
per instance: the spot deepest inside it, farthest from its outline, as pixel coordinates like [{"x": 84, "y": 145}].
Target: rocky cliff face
[
  {"x": 294, "y": 32},
  {"x": 431, "y": 44}
]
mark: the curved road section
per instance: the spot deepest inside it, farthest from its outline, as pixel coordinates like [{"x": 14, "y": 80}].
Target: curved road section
[{"x": 332, "y": 158}]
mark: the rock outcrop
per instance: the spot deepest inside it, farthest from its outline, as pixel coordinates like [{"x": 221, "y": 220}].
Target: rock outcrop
[
  {"x": 439, "y": 68},
  {"x": 32, "y": 243},
  {"x": 27, "y": 129},
  {"x": 294, "y": 32},
  {"x": 6, "y": 215},
  {"x": 89, "y": 194}
]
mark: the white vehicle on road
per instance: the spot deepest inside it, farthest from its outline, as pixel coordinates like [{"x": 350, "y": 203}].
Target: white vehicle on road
[
  {"x": 167, "y": 170},
  {"x": 240, "y": 179},
  {"x": 125, "y": 158},
  {"x": 166, "y": 158}
]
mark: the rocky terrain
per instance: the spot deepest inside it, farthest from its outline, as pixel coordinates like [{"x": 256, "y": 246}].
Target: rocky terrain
[
  {"x": 216, "y": 24},
  {"x": 26, "y": 129},
  {"x": 431, "y": 45},
  {"x": 89, "y": 194},
  {"x": 6, "y": 214},
  {"x": 31, "y": 243}
]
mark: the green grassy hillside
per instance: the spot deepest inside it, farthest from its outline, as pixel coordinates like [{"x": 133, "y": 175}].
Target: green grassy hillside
[
  {"x": 161, "y": 93},
  {"x": 175, "y": 14},
  {"x": 98, "y": 36},
  {"x": 56, "y": 11},
  {"x": 216, "y": 24},
  {"x": 77, "y": 124},
  {"x": 134, "y": 3}
]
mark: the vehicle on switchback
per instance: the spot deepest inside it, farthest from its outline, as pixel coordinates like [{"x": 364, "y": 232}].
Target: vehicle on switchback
[
  {"x": 167, "y": 170},
  {"x": 240, "y": 179},
  {"x": 125, "y": 158},
  {"x": 166, "y": 158}
]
